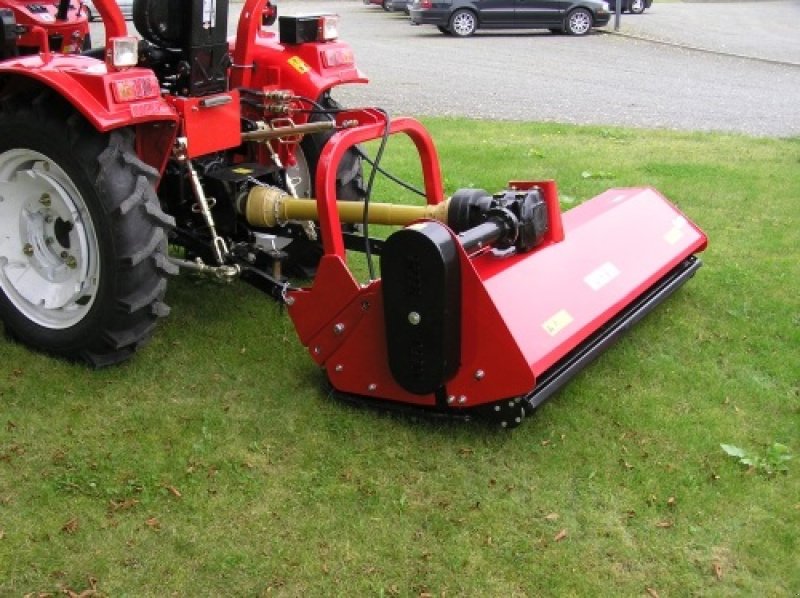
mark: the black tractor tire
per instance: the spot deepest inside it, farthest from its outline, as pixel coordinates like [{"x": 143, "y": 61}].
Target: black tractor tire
[
  {"x": 83, "y": 239},
  {"x": 579, "y": 22},
  {"x": 463, "y": 23},
  {"x": 304, "y": 254}
]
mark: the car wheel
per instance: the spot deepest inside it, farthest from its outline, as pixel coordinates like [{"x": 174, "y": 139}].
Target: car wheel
[
  {"x": 636, "y": 7},
  {"x": 443, "y": 29},
  {"x": 463, "y": 23},
  {"x": 579, "y": 22}
]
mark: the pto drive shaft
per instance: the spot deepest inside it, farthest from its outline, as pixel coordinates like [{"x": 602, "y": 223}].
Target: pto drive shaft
[{"x": 509, "y": 219}]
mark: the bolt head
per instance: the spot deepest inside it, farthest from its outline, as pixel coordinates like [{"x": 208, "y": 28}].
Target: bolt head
[
  {"x": 450, "y": 399},
  {"x": 339, "y": 367},
  {"x": 462, "y": 399},
  {"x": 338, "y": 328},
  {"x": 27, "y": 249},
  {"x": 414, "y": 318},
  {"x": 372, "y": 387},
  {"x": 479, "y": 375}
]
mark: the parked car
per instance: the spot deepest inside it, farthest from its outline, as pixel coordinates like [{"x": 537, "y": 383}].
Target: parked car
[
  {"x": 635, "y": 7},
  {"x": 463, "y": 17},
  {"x": 126, "y": 6},
  {"x": 396, "y": 5}
]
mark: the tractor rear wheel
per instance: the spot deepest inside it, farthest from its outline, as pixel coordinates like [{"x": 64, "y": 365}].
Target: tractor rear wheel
[{"x": 82, "y": 236}]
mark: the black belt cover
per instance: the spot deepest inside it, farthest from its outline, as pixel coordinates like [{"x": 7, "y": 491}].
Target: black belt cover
[{"x": 422, "y": 306}]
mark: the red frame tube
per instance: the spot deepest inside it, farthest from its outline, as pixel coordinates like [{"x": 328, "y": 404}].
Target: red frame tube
[
  {"x": 112, "y": 18},
  {"x": 372, "y": 125}
]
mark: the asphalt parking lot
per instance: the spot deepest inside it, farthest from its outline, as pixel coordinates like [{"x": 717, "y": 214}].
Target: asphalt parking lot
[
  {"x": 731, "y": 67},
  {"x": 600, "y": 79}
]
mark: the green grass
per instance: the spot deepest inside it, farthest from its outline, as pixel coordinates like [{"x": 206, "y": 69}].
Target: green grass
[{"x": 214, "y": 463}]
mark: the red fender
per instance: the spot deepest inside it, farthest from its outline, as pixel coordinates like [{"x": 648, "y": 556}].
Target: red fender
[
  {"x": 260, "y": 60},
  {"x": 72, "y": 30},
  {"x": 107, "y": 100}
]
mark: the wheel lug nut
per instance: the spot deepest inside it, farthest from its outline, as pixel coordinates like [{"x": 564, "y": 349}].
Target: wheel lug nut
[
  {"x": 28, "y": 249},
  {"x": 71, "y": 262},
  {"x": 45, "y": 200}
]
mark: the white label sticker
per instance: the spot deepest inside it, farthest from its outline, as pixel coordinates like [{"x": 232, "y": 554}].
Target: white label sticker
[{"x": 600, "y": 277}]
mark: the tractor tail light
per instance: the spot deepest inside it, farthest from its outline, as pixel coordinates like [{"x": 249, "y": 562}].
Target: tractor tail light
[
  {"x": 308, "y": 28},
  {"x": 338, "y": 57},
  {"x": 132, "y": 89}
]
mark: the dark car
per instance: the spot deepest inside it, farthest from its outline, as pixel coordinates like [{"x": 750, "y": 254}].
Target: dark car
[
  {"x": 635, "y": 7},
  {"x": 463, "y": 17},
  {"x": 396, "y": 5}
]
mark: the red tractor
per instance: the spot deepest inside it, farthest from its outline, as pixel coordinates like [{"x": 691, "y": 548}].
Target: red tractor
[
  {"x": 33, "y": 27},
  {"x": 234, "y": 153}
]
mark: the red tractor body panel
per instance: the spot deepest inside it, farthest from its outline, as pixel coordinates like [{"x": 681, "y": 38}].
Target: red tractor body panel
[
  {"x": 65, "y": 36},
  {"x": 209, "y": 124}
]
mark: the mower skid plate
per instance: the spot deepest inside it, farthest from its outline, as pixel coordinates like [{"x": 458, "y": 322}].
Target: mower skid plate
[{"x": 624, "y": 248}]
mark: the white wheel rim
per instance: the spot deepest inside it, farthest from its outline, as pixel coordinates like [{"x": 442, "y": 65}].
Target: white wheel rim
[
  {"x": 580, "y": 22},
  {"x": 463, "y": 24},
  {"x": 49, "y": 266}
]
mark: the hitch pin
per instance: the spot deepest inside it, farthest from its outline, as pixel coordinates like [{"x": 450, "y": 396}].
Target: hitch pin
[{"x": 226, "y": 273}]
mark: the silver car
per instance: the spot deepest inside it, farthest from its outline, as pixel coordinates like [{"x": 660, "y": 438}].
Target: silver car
[{"x": 126, "y": 6}]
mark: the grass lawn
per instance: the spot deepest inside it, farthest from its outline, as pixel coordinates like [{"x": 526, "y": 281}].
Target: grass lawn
[{"x": 214, "y": 463}]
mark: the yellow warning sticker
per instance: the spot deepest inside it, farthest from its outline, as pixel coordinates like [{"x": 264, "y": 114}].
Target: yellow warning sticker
[
  {"x": 242, "y": 170},
  {"x": 300, "y": 65},
  {"x": 557, "y": 323}
]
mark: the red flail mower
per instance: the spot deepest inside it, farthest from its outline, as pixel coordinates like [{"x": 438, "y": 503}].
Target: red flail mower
[{"x": 232, "y": 152}]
